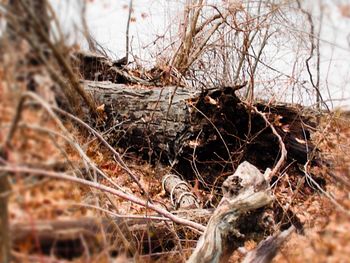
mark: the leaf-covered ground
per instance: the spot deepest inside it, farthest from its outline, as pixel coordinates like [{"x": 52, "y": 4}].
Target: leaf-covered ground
[{"x": 37, "y": 143}]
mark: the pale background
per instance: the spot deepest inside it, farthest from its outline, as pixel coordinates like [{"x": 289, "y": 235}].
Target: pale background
[{"x": 107, "y": 21}]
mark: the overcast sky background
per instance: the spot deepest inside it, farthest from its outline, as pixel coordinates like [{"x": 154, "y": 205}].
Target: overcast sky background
[{"x": 107, "y": 21}]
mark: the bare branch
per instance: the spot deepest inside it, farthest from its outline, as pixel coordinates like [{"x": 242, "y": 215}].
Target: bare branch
[{"x": 129, "y": 197}]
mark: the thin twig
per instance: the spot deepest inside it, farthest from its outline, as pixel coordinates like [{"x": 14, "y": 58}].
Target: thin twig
[
  {"x": 123, "y": 195},
  {"x": 314, "y": 46},
  {"x": 328, "y": 195},
  {"x": 99, "y": 136},
  {"x": 47, "y": 107},
  {"x": 127, "y": 32},
  {"x": 218, "y": 132},
  {"x": 282, "y": 146},
  {"x": 146, "y": 217}
]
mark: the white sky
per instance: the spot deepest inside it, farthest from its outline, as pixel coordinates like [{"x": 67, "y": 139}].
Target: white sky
[{"x": 107, "y": 22}]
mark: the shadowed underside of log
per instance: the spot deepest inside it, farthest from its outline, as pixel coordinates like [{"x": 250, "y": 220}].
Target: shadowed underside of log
[{"x": 207, "y": 133}]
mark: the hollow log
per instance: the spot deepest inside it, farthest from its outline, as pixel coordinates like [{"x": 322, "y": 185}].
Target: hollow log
[{"x": 202, "y": 133}]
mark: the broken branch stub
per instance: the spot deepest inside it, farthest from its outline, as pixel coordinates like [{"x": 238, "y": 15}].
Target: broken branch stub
[
  {"x": 245, "y": 190},
  {"x": 247, "y": 179},
  {"x": 180, "y": 192},
  {"x": 268, "y": 248}
]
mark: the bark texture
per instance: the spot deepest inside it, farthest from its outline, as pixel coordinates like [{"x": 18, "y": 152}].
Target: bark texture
[
  {"x": 150, "y": 120},
  {"x": 206, "y": 134}
]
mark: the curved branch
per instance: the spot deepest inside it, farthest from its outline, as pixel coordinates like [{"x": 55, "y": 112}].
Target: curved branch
[{"x": 62, "y": 176}]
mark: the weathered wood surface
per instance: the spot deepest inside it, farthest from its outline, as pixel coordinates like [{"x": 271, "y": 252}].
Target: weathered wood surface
[
  {"x": 268, "y": 248},
  {"x": 210, "y": 132},
  {"x": 180, "y": 192},
  {"x": 149, "y": 119},
  {"x": 245, "y": 190},
  {"x": 97, "y": 67}
]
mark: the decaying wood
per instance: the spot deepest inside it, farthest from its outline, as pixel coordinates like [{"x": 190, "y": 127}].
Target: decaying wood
[
  {"x": 268, "y": 248},
  {"x": 199, "y": 132},
  {"x": 57, "y": 236},
  {"x": 99, "y": 68},
  {"x": 245, "y": 190},
  {"x": 180, "y": 192},
  {"x": 71, "y": 238},
  {"x": 143, "y": 118}
]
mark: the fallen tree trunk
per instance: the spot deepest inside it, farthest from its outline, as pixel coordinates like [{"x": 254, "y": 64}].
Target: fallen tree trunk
[
  {"x": 206, "y": 134},
  {"x": 151, "y": 120},
  {"x": 73, "y": 238}
]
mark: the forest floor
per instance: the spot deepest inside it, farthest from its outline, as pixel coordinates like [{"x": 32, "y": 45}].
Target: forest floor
[
  {"x": 327, "y": 224},
  {"x": 326, "y": 236}
]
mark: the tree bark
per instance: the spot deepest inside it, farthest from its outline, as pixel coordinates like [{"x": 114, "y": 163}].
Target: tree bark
[
  {"x": 152, "y": 120},
  {"x": 203, "y": 133}
]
